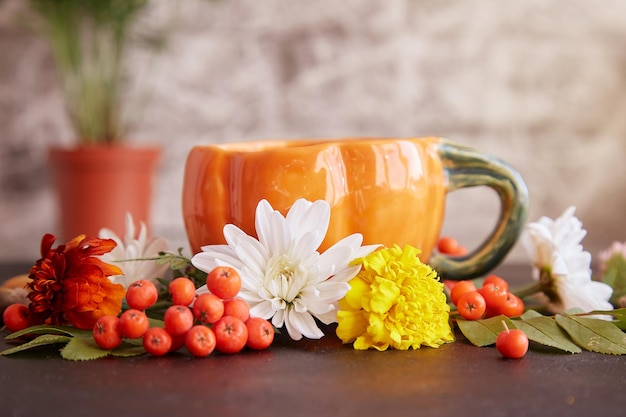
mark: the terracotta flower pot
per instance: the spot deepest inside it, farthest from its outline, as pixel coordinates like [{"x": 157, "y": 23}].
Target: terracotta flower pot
[{"x": 96, "y": 185}]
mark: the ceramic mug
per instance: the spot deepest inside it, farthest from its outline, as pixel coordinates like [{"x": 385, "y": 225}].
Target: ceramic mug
[{"x": 391, "y": 190}]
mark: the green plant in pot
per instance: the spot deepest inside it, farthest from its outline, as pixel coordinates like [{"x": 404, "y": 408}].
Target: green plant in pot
[{"x": 101, "y": 177}]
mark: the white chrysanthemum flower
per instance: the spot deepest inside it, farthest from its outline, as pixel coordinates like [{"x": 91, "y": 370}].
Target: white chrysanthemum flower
[
  {"x": 131, "y": 248},
  {"x": 562, "y": 266},
  {"x": 283, "y": 275}
]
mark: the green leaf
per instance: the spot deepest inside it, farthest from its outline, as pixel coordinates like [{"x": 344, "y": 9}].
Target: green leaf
[
  {"x": 530, "y": 314},
  {"x": 544, "y": 330},
  {"x": 618, "y": 314},
  {"x": 83, "y": 349},
  {"x": 615, "y": 276},
  {"x": 127, "y": 350},
  {"x": 47, "y": 329},
  {"x": 43, "y": 340},
  {"x": 594, "y": 335},
  {"x": 484, "y": 332}
]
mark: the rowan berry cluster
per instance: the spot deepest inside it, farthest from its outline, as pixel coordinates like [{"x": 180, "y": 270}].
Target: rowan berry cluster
[
  {"x": 492, "y": 299},
  {"x": 216, "y": 320}
]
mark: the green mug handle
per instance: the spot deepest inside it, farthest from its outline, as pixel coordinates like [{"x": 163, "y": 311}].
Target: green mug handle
[{"x": 467, "y": 167}]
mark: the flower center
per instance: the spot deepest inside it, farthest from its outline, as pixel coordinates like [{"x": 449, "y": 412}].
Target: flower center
[
  {"x": 281, "y": 278},
  {"x": 280, "y": 268}
]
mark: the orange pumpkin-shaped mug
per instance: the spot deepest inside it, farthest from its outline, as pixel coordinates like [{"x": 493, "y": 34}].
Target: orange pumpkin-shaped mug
[{"x": 391, "y": 190}]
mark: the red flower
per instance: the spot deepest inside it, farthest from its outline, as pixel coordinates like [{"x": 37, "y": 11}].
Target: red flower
[{"x": 70, "y": 285}]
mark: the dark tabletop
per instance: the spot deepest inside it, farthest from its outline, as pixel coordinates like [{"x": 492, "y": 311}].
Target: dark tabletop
[{"x": 317, "y": 378}]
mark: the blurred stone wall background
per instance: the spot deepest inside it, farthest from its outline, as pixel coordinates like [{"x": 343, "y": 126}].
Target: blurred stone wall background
[{"x": 539, "y": 83}]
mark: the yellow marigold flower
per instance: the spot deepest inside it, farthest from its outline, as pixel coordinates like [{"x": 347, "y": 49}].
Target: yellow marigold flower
[{"x": 395, "y": 300}]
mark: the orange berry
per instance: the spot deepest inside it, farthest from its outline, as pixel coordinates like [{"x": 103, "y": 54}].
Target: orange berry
[
  {"x": 178, "y": 320},
  {"x": 224, "y": 282},
  {"x": 141, "y": 294},
  {"x": 237, "y": 307},
  {"x": 106, "y": 332},
  {"x": 182, "y": 290},
  {"x": 208, "y": 308},
  {"x": 156, "y": 341}
]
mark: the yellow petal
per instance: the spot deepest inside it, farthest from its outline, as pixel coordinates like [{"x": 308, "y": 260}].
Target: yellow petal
[
  {"x": 351, "y": 324},
  {"x": 355, "y": 294},
  {"x": 384, "y": 297}
]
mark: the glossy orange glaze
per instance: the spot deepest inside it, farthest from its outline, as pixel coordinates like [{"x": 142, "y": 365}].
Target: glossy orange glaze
[{"x": 390, "y": 190}]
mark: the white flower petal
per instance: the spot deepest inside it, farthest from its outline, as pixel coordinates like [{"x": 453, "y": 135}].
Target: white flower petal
[
  {"x": 281, "y": 234},
  {"x": 305, "y": 217},
  {"x": 305, "y": 245},
  {"x": 216, "y": 255},
  {"x": 302, "y": 324},
  {"x": 346, "y": 274},
  {"x": 156, "y": 245},
  {"x": 278, "y": 320},
  {"x": 299, "y": 306},
  {"x": 232, "y": 235},
  {"x": 126, "y": 253},
  {"x": 554, "y": 247},
  {"x": 587, "y": 298},
  {"x": 263, "y": 309},
  {"x": 252, "y": 254},
  {"x": 330, "y": 291},
  {"x": 328, "y": 317}
]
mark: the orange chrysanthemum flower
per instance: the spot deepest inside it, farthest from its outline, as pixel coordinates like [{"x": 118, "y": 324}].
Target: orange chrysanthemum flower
[{"x": 70, "y": 285}]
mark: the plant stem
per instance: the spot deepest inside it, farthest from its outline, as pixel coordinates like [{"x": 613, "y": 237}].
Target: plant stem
[{"x": 528, "y": 290}]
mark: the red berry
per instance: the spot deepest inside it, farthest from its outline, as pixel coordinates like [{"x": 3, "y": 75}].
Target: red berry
[
  {"x": 512, "y": 344},
  {"x": 513, "y": 306},
  {"x": 471, "y": 306},
  {"x": 156, "y": 341},
  {"x": 494, "y": 295},
  {"x": 178, "y": 320},
  {"x": 450, "y": 246},
  {"x": 133, "y": 323},
  {"x": 459, "y": 289},
  {"x": 231, "y": 334},
  {"x": 260, "y": 333},
  {"x": 224, "y": 282},
  {"x": 237, "y": 307},
  {"x": 498, "y": 281},
  {"x": 178, "y": 341},
  {"x": 200, "y": 341},
  {"x": 106, "y": 332},
  {"x": 182, "y": 290},
  {"x": 208, "y": 308},
  {"x": 141, "y": 294},
  {"x": 16, "y": 317}
]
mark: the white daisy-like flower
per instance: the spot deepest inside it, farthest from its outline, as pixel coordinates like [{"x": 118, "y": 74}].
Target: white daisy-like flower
[
  {"x": 562, "y": 266},
  {"x": 134, "y": 247},
  {"x": 283, "y": 275}
]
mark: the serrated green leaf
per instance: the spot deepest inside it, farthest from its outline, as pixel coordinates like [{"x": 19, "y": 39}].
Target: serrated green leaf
[
  {"x": 545, "y": 331},
  {"x": 47, "y": 329},
  {"x": 43, "y": 340},
  {"x": 484, "y": 332},
  {"x": 618, "y": 314},
  {"x": 529, "y": 314},
  {"x": 83, "y": 349},
  {"x": 594, "y": 335},
  {"x": 127, "y": 350}
]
